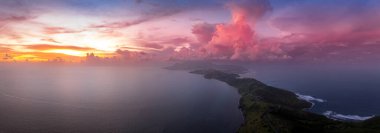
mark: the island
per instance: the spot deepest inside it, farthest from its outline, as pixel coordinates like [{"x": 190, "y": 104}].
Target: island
[
  {"x": 199, "y": 65},
  {"x": 268, "y": 109}
]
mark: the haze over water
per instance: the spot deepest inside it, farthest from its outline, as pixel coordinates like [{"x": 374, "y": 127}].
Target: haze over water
[{"x": 43, "y": 98}]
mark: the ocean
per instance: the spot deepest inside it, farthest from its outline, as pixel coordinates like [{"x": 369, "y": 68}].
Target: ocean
[
  {"x": 341, "y": 91},
  {"x": 150, "y": 99},
  {"x": 144, "y": 99}
]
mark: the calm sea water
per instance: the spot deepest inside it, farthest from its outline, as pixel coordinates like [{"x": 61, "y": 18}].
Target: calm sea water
[
  {"x": 347, "y": 89},
  {"x": 43, "y": 98}
]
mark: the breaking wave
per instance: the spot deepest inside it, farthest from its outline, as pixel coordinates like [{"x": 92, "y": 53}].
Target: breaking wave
[
  {"x": 341, "y": 117},
  {"x": 310, "y": 98}
]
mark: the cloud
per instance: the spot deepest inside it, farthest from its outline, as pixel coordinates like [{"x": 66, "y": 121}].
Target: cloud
[
  {"x": 153, "y": 45},
  {"x": 15, "y": 11},
  {"x": 59, "y": 30},
  {"x": 37, "y": 56},
  {"x": 50, "y": 40},
  {"x": 9, "y": 33},
  {"x": 231, "y": 40},
  {"x": 350, "y": 22},
  {"x": 12, "y": 18},
  {"x": 348, "y": 53},
  {"x": 236, "y": 40},
  {"x": 326, "y": 32},
  {"x": 129, "y": 48},
  {"x": 8, "y": 19},
  {"x": 248, "y": 10},
  {"x": 175, "y": 41},
  {"x": 52, "y": 47},
  {"x": 151, "y": 10},
  {"x": 162, "y": 42},
  {"x": 203, "y": 32},
  {"x": 5, "y": 49},
  {"x": 305, "y": 30},
  {"x": 133, "y": 55},
  {"x": 314, "y": 32},
  {"x": 155, "y": 48},
  {"x": 152, "y": 14}
]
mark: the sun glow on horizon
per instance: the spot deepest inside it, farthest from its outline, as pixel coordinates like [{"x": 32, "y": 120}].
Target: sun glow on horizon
[
  {"x": 249, "y": 30},
  {"x": 67, "y": 52},
  {"x": 28, "y": 57},
  {"x": 102, "y": 44}
]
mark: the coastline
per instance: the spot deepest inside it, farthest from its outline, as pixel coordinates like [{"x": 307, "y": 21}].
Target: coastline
[
  {"x": 309, "y": 99},
  {"x": 271, "y": 114},
  {"x": 313, "y": 100}
]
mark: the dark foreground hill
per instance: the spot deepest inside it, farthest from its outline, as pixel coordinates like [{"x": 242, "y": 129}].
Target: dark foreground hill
[{"x": 268, "y": 109}]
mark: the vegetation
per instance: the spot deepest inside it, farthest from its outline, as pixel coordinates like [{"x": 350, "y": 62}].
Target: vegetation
[{"x": 268, "y": 109}]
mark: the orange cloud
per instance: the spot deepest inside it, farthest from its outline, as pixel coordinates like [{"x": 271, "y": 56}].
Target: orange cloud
[
  {"x": 67, "y": 49},
  {"x": 5, "y": 49},
  {"x": 52, "y": 47},
  {"x": 38, "y": 57},
  {"x": 48, "y": 53}
]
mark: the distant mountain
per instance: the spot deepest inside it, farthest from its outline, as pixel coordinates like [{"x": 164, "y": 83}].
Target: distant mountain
[{"x": 197, "y": 65}]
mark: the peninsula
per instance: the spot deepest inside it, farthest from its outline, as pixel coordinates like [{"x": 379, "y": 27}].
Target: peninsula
[{"x": 268, "y": 109}]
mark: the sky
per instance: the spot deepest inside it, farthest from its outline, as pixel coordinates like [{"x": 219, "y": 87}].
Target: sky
[{"x": 244, "y": 30}]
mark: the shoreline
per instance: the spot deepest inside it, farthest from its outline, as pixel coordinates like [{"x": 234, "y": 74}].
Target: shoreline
[
  {"x": 269, "y": 109},
  {"x": 313, "y": 100}
]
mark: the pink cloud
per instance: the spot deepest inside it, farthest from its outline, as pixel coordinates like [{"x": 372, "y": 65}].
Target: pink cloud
[
  {"x": 153, "y": 14},
  {"x": 10, "y": 33},
  {"x": 248, "y": 10},
  {"x": 345, "y": 33},
  {"x": 236, "y": 40},
  {"x": 204, "y": 32},
  {"x": 153, "y": 45},
  {"x": 331, "y": 24},
  {"x": 133, "y": 56},
  {"x": 232, "y": 40},
  {"x": 162, "y": 42},
  {"x": 59, "y": 30},
  {"x": 13, "y": 18}
]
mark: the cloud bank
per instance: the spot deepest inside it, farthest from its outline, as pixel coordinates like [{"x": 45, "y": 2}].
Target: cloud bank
[
  {"x": 256, "y": 30},
  {"x": 237, "y": 40},
  {"x": 309, "y": 31}
]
